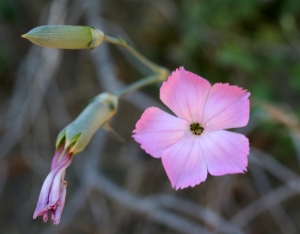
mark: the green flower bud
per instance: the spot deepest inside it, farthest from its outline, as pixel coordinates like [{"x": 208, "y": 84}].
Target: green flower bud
[
  {"x": 65, "y": 36},
  {"x": 79, "y": 133}
]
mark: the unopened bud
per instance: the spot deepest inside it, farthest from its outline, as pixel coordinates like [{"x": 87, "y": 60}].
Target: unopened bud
[
  {"x": 78, "y": 134},
  {"x": 65, "y": 36}
]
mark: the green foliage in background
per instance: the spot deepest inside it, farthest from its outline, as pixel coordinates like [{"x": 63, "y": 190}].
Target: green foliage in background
[
  {"x": 252, "y": 43},
  {"x": 10, "y": 11}
]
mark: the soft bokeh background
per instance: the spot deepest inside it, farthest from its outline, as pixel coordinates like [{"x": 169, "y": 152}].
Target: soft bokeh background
[{"x": 114, "y": 187}]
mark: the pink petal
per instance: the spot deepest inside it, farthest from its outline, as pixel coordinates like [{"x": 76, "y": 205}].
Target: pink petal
[
  {"x": 58, "y": 182},
  {"x": 45, "y": 216},
  {"x": 50, "y": 191},
  {"x": 56, "y": 214},
  {"x": 185, "y": 94},
  {"x": 157, "y": 130},
  {"x": 225, "y": 152},
  {"x": 184, "y": 163},
  {"x": 44, "y": 194},
  {"x": 226, "y": 107},
  {"x": 55, "y": 189},
  {"x": 56, "y": 157}
]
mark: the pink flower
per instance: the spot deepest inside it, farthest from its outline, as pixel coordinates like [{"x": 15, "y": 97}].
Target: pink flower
[
  {"x": 53, "y": 192},
  {"x": 194, "y": 141}
]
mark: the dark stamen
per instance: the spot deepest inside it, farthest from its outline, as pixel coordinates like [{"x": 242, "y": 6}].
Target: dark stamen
[{"x": 196, "y": 129}]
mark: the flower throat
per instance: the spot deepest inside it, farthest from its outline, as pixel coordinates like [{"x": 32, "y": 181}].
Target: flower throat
[{"x": 196, "y": 129}]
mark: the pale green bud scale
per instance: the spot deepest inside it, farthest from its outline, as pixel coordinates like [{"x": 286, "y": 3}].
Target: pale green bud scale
[
  {"x": 79, "y": 133},
  {"x": 65, "y": 36}
]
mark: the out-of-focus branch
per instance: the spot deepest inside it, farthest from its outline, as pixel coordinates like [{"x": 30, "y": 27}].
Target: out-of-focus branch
[
  {"x": 146, "y": 207},
  {"x": 285, "y": 116},
  {"x": 190, "y": 208},
  {"x": 3, "y": 174},
  {"x": 275, "y": 196},
  {"x": 278, "y": 213},
  {"x": 40, "y": 65},
  {"x": 267, "y": 162},
  {"x": 106, "y": 73},
  {"x": 271, "y": 199}
]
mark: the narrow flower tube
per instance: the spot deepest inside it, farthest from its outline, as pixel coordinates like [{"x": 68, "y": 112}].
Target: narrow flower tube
[
  {"x": 71, "y": 140},
  {"x": 65, "y": 36}
]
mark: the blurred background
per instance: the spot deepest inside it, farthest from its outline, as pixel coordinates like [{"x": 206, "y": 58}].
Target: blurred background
[{"x": 113, "y": 186}]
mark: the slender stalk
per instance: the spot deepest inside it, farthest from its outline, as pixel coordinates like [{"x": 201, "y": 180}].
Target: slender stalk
[
  {"x": 138, "y": 84},
  {"x": 121, "y": 42},
  {"x": 161, "y": 73}
]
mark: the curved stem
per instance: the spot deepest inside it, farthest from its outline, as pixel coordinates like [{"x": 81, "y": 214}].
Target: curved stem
[
  {"x": 161, "y": 73},
  {"x": 121, "y": 42},
  {"x": 137, "y": 85}
]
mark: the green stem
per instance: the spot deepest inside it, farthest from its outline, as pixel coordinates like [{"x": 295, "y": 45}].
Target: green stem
[
  {"x": 138, "y": 84},
  {"x": 121, "y": 42},
  {"x": 161, "y": 73}
]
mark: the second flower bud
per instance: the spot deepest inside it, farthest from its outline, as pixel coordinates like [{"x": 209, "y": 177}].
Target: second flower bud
[{"x": 78, "y": 134}]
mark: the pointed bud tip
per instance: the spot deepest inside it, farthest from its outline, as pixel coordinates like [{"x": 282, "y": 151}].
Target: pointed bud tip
[{"x": 65, "y": 36}]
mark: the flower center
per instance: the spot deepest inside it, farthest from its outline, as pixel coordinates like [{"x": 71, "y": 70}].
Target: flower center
[{"x": 196, "y": 129}]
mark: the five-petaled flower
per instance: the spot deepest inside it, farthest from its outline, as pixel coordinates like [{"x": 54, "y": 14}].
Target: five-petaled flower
[
  {"x": 53, "y": 193},
  {"x": 195, "y": 142}
]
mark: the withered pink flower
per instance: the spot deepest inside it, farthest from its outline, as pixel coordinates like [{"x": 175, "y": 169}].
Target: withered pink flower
[
  {"x": 195, "y": 141},
  {"x": 70, "y": 141},
  {"x": 53, "y": 192}
]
